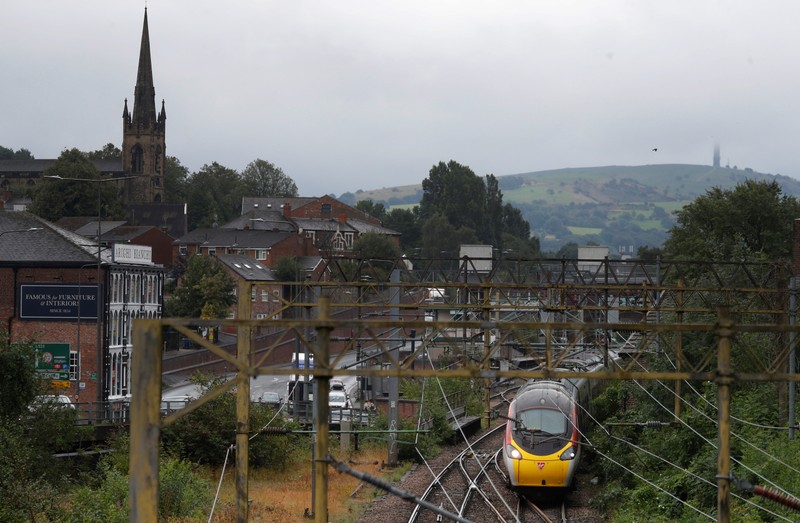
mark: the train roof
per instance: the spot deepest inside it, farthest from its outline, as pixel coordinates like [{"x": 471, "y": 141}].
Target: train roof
[{"x": 544, "y": 393}]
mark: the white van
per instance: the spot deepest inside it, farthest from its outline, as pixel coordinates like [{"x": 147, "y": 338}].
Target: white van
[{"x": 337, "y": 399}]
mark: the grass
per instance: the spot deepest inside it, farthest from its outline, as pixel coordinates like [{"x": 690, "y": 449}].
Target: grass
[{"x": 285, "y": 495}]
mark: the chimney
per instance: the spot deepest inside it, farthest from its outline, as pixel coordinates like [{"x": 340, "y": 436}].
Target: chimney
[
  {"x": 287, "y": 210},
  {"x": 343, "y": 218}
]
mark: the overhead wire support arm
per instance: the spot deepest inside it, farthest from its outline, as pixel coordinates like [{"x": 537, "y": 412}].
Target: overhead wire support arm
[{"x": 388, "y": 487}]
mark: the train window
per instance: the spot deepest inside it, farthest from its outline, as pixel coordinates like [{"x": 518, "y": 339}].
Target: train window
[{"x": 547, "y": 420}]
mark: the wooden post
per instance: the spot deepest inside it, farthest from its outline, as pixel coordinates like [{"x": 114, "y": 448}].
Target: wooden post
[
  {"x": 323, "y": 379},
  {"x": 724, "y": 380},
  {"x": 243, "y": 404},
  {"x": 145, "y": 420}
]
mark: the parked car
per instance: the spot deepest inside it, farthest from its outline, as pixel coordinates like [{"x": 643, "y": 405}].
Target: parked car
[
  {"x": 51, "y": 401},
  {"x": 273, "y": 399}
]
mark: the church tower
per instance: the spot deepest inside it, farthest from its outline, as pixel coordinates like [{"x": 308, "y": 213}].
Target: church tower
[{"x": 143, "y": 144}]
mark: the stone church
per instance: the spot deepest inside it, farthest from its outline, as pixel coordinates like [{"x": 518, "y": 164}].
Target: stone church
[{"x": 143, "y": 145}]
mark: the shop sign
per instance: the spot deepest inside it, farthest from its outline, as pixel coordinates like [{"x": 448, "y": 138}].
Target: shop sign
[{"x": 58, "y": 302}]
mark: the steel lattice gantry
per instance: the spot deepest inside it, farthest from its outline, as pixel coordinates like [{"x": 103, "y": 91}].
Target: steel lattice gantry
[{"x": 540, "y": 311}]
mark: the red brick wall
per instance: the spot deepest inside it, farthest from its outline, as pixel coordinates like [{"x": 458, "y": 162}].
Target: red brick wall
[
  {"x": 161, "y": 244},
  {"x": 57, "y": 331},
  {"x": 314, "y": 210}
]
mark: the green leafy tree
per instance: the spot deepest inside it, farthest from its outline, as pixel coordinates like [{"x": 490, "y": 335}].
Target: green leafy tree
[
  {"x": 204, "y": 435},
  {"x": 263, "y": 178},
  {"x": 205, "y": 287},
  {"x": 176, "y": 178},
  {"x": 752, "y": 221},
  {"x": 374, "y": 246},
  {"x": 30, "y": 434},
  {"x": 18, "y": 381},
  {"x": 376, "y": 210},
  {"x": 69, "y": 196},
  {"x": 108, "y": 152},
  {"x": 493, "y": 228},
  {"x": 286, "y": 268},
  {"x": 440, "y": 239},
  {"x": 455, "y": 192},
  {"x": 214, "y": 195},
  {"x": 406, "y": 222},
  {"x": 11, "y": 154}
]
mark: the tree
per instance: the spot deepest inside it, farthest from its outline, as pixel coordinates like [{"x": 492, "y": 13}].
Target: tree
[
  {"x": 11, "y": 154},
  {"x": 54, "y": 198},
  {"x": 376, "y": 210},
  {"x": 441, "y": 240},
  {"x": 176, "y": 178},
  {"x": 29, "y": 435},
  {"x": 286, "y": 268},
  {"x": 263, "y": 178},
  {"x": 514, "y": 224},
  {"x": 205, "y": 285},
  {"x": 455, "y": 192},
  {"x": 18, "y": 381},
  {"x": 214, "y": 195},
  {"x": 108, "y": 152},
  {"x": 752, "y": 221},
  {"x": 493, "y": 230},
  {"x": 374, "y": 246},
  {"x": 406, "y": 222}
]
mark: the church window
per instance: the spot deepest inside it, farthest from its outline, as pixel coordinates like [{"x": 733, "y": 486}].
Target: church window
[{"x": 137, "y": 159}]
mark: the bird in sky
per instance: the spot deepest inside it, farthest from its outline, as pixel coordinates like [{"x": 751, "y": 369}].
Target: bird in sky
[{"x": 655, "y": 149}]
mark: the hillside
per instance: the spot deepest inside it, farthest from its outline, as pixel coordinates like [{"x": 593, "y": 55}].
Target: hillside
[{"x": 624, "y": 207}]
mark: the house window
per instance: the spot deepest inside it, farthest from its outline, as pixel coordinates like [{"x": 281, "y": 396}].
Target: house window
[
  {"x": 252, "y": 294},
  {"x": 348, "y": 239},
  {"x": 212, "y": 251},
  {"x": 338, "y": 243},
  {"x": 264, "y": 295},
  {"x": 326, "y": 209},
  {"x": 312, "y": 235},
  {"x": 74, "y": 370},
  {"x": 261, "y": 254},
  {"x": 182, "y": 250}
]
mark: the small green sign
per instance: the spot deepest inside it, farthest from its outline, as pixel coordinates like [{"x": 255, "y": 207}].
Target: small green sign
[{"x": 52, "y": 360}]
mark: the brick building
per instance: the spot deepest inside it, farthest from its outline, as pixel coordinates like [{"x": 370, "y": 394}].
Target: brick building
[{"x": 79, "y": 312}]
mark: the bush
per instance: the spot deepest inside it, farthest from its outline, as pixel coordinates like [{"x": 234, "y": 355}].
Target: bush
[
  {"x": 182, "y": 493},
  {"x": 205, "y": 435}
]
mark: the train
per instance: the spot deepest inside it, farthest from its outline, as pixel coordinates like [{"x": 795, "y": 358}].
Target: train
[{"x": 542, "y": 445}]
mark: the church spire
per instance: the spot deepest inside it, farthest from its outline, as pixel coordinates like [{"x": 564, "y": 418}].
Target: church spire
[
  {"x": 144, "y": 99},
  {"x": 144, "y": 146}
]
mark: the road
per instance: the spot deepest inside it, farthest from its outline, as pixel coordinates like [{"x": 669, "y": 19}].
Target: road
[{"x": 258, "y": 385}]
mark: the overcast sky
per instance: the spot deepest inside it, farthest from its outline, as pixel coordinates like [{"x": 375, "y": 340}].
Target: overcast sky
[{"x": 351, "y": 95}]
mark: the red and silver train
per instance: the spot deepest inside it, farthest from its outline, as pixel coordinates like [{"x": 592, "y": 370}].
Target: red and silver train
[{"x": 542, "y": 447}]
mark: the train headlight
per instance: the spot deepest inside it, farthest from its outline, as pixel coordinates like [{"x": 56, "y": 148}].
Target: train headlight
[
  {"x": 569, "y": 453},
  {"x": 512, "y": 452}
]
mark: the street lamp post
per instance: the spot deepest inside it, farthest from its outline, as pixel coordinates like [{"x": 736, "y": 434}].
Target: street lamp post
[{"x": 30, "y": 229}]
